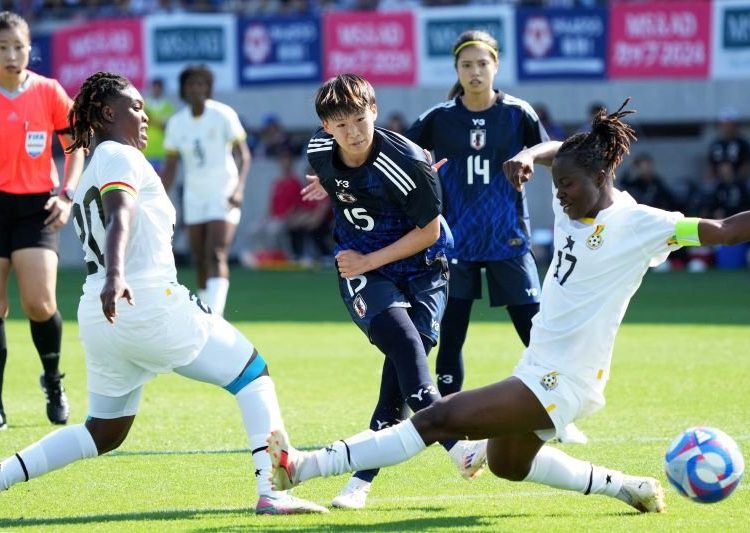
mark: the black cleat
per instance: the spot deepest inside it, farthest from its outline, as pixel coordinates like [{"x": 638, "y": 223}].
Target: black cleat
[
  {"x": 57, "y": 403},
  {"x": 3, "y": 421}
]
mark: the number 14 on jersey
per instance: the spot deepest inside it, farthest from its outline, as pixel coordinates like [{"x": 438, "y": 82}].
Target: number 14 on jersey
[{"x": 476, "y": 166}]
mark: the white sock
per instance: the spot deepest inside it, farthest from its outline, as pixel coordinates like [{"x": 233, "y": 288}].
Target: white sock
[
  {"x": 216, "y": 294},
  {"x": 58, "y": 449},
  {"x": 555, "y": 468},
  {"x": 260, "y": 413},
  {"x": 365, "y": 451}
]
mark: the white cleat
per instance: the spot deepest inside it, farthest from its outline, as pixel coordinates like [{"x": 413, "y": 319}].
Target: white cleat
[
  {"x": 469, "y": 456},
  {"x": 353, "y": 495},
  {"x": 284, "y": 503},
  {"x": 570, "y": 434},
  {"x": 284, "y": 469},
  {"x": 644, "y": 493}
]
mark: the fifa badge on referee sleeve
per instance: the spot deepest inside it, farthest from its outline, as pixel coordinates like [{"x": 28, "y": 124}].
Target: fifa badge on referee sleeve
[{"x": 549, "y": 381}]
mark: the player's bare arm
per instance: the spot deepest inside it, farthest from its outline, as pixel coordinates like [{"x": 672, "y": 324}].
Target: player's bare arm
[
  {"x": 119, "y": 207},
  {"x": 313, "y": 191},
  {"x": 731, "y": 230},
  {"x": 243, "y": 158},
  {"x": 169, "y": 172},
  {"x": 59, "y": 205},
  {"x": 352, "y": 263},
  {"x": 519, "y": 168}
]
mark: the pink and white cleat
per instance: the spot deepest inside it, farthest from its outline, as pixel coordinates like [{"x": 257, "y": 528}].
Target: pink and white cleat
[
  {"x": 469, "y": 456},
  {"x": 283, "y": 461}
]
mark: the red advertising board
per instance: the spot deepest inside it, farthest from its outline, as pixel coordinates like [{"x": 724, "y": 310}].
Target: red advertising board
[
  {"x": 660, "y": 40},
  {"x": 379, "y": 46},
  {"x": 113, "y": 45}
]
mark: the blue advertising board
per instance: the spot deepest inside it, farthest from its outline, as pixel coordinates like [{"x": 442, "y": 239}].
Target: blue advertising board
[
  {"x": 561, "y": 43},
  {"x": 278, "y": 50},
  {"x": 40, "y": 59}
]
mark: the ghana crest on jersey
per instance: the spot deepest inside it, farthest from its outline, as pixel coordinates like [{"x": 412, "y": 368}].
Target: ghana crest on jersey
[{"x": 380, "y": 201}]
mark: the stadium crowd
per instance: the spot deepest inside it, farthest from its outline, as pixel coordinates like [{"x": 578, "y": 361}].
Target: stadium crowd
[{"x": 36, "y": 10}]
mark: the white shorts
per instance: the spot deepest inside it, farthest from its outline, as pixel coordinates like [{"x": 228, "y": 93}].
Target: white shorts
[
  {"x": 566, "y": 399},
  {"x": 198, "y": 209},
  {"x": 223, "y": 361},
  {"x": 165, "y": 329}
]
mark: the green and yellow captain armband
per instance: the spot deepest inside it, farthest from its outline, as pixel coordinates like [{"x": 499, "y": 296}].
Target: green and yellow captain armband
[{"x": 686, "y": 232}]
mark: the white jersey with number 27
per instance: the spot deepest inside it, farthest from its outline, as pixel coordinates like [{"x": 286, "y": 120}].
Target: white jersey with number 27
[{"x": 595, "y": 270}]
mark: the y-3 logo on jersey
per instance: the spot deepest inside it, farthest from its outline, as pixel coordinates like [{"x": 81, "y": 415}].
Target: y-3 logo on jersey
[
  {"x": 342, "y": 183},
  {"x": 477, "y": 121}
]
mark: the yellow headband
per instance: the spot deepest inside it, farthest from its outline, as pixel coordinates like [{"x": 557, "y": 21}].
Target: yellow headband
[{"x": 475, "y": 43}]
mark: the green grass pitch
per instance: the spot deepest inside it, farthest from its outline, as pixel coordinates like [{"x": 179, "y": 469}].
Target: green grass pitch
[{"x": 682, "y": 358}]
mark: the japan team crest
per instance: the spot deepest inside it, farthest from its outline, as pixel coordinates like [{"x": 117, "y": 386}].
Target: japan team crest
[
  {"x": 346, "y": 197},
  {"x": 477, "y": 139},
  {"x": 360, "y": 307},
  {"x": 596, "y": 239},
  {"x": 549, "y": 381}
]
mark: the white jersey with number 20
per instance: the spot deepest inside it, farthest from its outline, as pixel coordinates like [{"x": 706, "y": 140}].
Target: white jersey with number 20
[{"x": 148, "y": 259}]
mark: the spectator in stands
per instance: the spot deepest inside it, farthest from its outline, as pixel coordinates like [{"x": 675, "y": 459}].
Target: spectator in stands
[
  {"x": 159, "y": 109},
  {"x": 294, "y": 226},
  {"x": 594, "y": 108},
  {"x": 554, "y": 130},
  {"x": 396, "y": 122},
  {"x": 729, "y": 146},
  {"x": 646, "y": 186},
  {"x": 274, "y": 139},
  {"x": 730, "y": 196}
]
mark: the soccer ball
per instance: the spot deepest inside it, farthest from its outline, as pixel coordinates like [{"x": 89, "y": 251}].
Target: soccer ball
[{"x": 704, "y": 464}]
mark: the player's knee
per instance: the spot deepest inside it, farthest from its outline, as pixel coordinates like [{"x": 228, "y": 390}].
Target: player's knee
[
  {"x": 217, "y": 255},
  {"x": 437, "y": 418},
  {"x": 506, "y": 468},
  {"x": 40, "y": 310},
  {"x": 107, "y": 435}
]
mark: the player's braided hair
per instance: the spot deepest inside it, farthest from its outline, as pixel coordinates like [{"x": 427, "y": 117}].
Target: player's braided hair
[
  {"x": 85, "y": 116},
  {"x": 605, "y": 145}
]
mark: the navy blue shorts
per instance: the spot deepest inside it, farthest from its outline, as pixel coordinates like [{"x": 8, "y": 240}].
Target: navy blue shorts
[
  {"x": 510, "y": 282},
  {"x": 425, "y": 295},
  {"x": 22, "y": 223}
]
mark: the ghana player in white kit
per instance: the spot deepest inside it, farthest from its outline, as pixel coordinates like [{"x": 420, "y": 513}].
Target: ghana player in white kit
[
  {"x": 604, "y": 244},
  {"x": 125, "y": 222},
  {"x": 207, "y": 137}
]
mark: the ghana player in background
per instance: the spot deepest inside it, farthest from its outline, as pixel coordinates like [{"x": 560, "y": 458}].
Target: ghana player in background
[
  {"x": 207, "y": 137},
  {"x": 125, "y": 222},
  {"x": 390, "y": 249},
  {"x": 33, "y": 109},
  {"x": 604, "y": 243}
]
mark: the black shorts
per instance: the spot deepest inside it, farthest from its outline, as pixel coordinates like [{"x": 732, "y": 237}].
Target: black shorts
[
  {"x": 22, "y": 223},
  {"x": 510, "y": 282}
]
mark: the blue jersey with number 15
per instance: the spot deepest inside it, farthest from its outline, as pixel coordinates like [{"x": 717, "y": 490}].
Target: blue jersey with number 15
[
  {"x": 382, "y": 200},
  {"x": 488, "y": 217}
]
